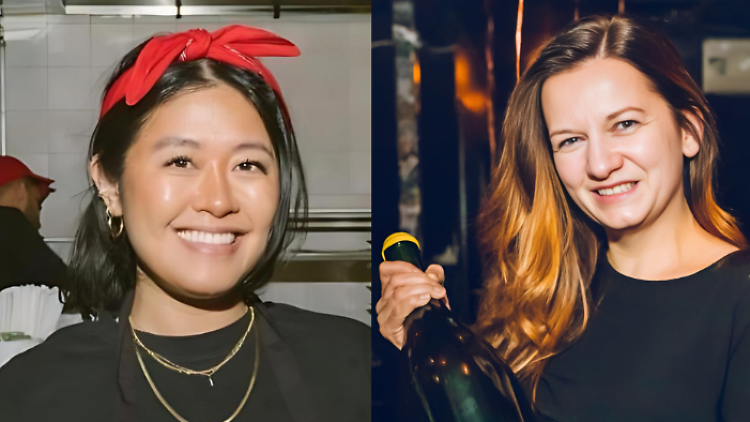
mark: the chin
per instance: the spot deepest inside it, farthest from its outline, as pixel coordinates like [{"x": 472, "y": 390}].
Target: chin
[
  {"x": 203, "y": 288},
  {"x": 620, "y": 223}
]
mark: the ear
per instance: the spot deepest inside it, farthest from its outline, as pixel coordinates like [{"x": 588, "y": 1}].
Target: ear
[
  {"x": 691, "y": 140},
  {"x": 108, "y": 191}
]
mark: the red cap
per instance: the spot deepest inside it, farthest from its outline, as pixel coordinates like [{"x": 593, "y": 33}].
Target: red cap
[{"x": 12, "y": 169}]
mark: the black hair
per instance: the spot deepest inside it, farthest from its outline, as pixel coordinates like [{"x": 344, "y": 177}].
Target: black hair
[{"x": 103, "y": 267}]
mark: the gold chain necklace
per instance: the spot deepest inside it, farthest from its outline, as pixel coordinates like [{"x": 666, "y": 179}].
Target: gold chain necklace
[
  {"x": 209, "y": 373},
  {"x": 174, "y": 412}
]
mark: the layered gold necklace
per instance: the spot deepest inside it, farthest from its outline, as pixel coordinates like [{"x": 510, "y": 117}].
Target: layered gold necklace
[{"x": 206, "y": 372}]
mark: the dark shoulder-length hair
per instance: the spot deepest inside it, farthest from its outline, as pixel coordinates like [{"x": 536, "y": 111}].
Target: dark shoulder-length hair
[
  {"x": 541, "y": 248},
  {"x": 103, "y": 267}
]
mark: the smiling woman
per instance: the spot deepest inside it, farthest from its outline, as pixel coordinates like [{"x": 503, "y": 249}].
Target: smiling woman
[
  {"x": 617, "y": 288},
  {"x": 195, "y": 169}
]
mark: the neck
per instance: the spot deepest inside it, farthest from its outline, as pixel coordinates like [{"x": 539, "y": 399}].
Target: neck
[
  {"x": 673, "y": 245},
  {"x": 157, "y": 311}
]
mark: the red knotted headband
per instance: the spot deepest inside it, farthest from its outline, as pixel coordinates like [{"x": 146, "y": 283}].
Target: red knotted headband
[{"x": 236, "y": 45}]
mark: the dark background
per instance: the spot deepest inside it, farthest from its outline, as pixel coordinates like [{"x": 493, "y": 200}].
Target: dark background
[{"x": 455, "y": 145}]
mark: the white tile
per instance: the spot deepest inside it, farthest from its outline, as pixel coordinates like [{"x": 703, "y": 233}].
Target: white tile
[
  {"x": 327, "y": 173},
  {"x": 154, "y": 19},
  {"x": 247, "y": 20},
  {"x": 198, "y": 19},
  {"x": 69, "y": 172},
  {"x": 317, "y": 91},
  {"x": 207, "y": 25},
  {"x": 99, "y": 77},
  {"x": 27, "y": 50},
  {"x": 69, "y": 45},
  {"x": 331, "y": 298},
  {"x": 70, "y": 131},
  {"x": 112, "y": 20},
  {"x": 68, "y": 19},
  {"x": 144, "y": 31},
  {"x": 337, "y": 241},
  {"x": 23, "y": 22},
  {"x": 61, "y": 249},
  {"x": 316, "y": 104},
  {"x": 60, "y": 214},
  {"x": 359, "y": 37},
  {"x": 38, "y": 163},
  {"x": 110, "y": 43},
  {"x": 69, "y": 88},
  {"x": 27, "y": 88},
  {"x": 27, "y": 131},
  {"x": 361, "y": 297},
  {"x": 290, "y": 293},
  {"x": 359, "y": 125},
  {"x": 340, "y": 201},
  {"x": 360, "y": 172}
]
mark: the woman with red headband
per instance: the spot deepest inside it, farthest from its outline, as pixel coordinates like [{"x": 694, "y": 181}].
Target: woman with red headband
[{"x": 195, "y": 169}]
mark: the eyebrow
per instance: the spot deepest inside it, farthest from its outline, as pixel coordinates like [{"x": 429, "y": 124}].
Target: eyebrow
[
  {"x": 609, "y": 117},
  {"x": 190, "y": 143}
]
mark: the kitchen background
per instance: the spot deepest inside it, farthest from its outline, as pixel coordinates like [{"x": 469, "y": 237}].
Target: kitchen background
[{"x": 56, "y": 66}]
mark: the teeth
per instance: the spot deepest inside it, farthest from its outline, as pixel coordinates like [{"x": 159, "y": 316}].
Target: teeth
[
  {"x": 617, "y": 189},
  {"x": 204, "y": 237}
]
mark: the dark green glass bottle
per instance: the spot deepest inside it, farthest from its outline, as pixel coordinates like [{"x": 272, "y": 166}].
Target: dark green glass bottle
[{"x": 457, "y": 376}]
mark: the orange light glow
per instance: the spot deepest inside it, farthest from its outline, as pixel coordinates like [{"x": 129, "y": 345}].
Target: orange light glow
[
  {"x": 472, "y": 98},
  {"x": 519, "y": 24},
  {"x": 465, "y": 367},
  {"x": 416, "y": 72}
]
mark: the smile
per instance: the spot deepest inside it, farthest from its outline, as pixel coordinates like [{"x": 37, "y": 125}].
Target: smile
[
  {"x": 194, "y": 236},
  {"x": 617, "y": 189}
]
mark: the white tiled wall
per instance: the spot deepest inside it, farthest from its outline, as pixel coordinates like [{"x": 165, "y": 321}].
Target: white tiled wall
[
  {"x": 57, "y": 67},
  {"x": 346, "y": 299}
]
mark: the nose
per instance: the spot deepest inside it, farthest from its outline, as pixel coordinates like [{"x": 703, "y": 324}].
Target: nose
[
  {"x": 602, "y": 158},
  {"x": 214, "y": 194}
]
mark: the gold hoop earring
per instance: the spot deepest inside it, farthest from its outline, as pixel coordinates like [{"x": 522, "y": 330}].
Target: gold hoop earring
[{"x": 115, "y": 233}]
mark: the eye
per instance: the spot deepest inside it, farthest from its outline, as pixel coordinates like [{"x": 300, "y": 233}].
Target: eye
[
  {"x": 249, "y": 165},
  {"x": 569, "y": 141},
  {"x": 625, "y": 125},
  {"x": 180, "y": 161}
]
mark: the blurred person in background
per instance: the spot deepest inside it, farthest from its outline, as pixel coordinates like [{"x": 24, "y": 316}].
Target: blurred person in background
[
  {"x": 198, "y": 189},
  {"x": 24, "y": 256}
]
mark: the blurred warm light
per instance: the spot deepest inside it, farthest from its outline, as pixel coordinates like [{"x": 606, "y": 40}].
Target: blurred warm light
[
  {"x": 472, "y": 98},
  {"x": 465, "y": 367},
  {"x": 519, "y": 23},
  {"x": 416, "y": 72},
  {"x": 621, "y": 7}
]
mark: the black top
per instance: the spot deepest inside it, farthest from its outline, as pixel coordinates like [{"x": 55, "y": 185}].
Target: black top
[
  {"x": 24, "y": 257},
  {"x": 676, "y": 350},
  {"x": 73, "y": 376}
]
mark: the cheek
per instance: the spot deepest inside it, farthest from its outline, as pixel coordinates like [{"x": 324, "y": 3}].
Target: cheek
[
  {"x": 260, "y": 199},
  {"x": 151, "y": 200},
  {"x": 571, "y": 169}
]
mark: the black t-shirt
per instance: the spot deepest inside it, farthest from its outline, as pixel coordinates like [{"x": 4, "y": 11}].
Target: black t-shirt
[
  {"x": 24, "y": 257},
  {"x": 73, "y": 376},
  {"x": 667, "y": 351}
]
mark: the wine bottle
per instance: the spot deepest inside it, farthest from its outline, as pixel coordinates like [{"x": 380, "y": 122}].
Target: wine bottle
[{"x": 457, "y": 376}]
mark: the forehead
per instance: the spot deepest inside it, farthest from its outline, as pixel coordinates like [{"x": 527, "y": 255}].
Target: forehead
[
  {"x": 595, "y": 89},
  {"x": 220, "y": 116}
]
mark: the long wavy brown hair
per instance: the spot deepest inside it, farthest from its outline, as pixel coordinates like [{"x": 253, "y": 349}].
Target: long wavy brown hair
[{"x": 541, "y": 249}]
